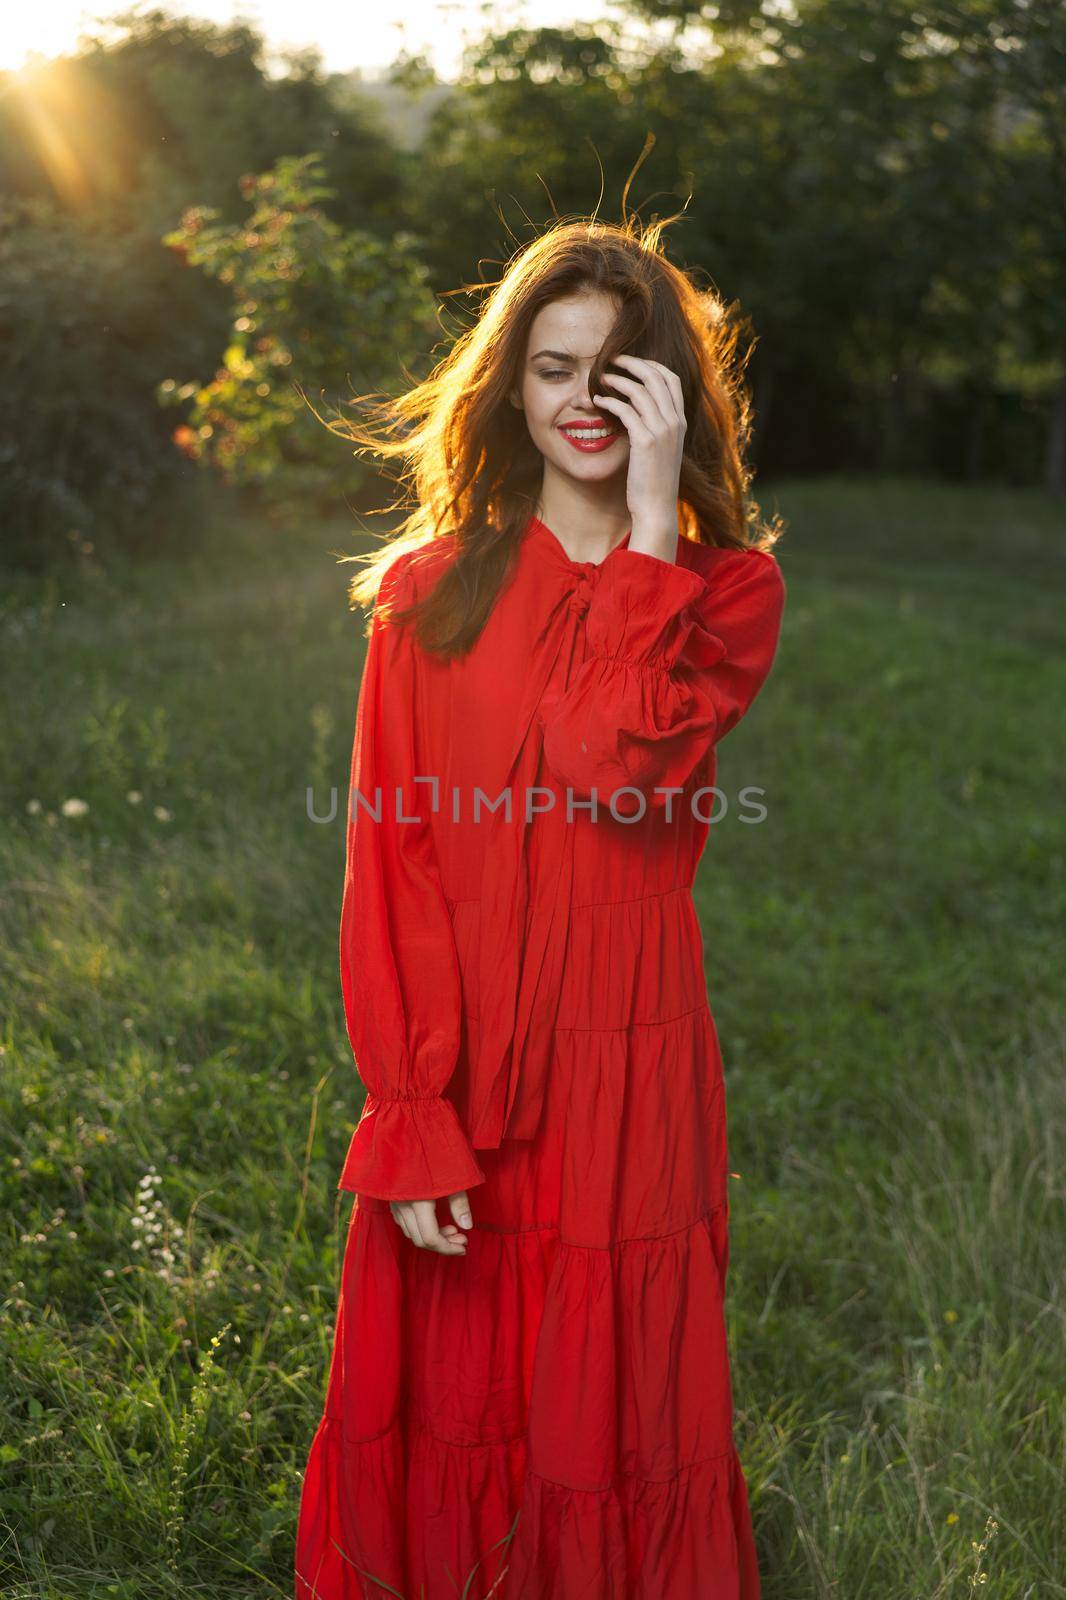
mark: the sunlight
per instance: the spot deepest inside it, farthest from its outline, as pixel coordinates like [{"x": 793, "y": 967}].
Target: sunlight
[
  {"x": 49, "y": 109},
  {"x": 369, "y": 38},
  {"x": 50, "y": 29}
]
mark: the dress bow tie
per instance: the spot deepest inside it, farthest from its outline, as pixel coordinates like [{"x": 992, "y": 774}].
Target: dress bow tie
[
  {"x": 582, "y": 593},
  {"x": 525, "y": 915}
]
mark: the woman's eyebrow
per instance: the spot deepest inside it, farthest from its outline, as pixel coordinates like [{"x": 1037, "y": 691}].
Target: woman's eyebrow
[{"x": 556, "y": 355}]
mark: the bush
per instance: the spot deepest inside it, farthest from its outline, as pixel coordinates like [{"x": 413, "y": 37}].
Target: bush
[
  {"x": 86, "y": 316},
  {"x": 316, "y": 308}
]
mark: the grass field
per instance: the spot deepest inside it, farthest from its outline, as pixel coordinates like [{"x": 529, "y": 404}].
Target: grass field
[{"x": 885, "y": 959}]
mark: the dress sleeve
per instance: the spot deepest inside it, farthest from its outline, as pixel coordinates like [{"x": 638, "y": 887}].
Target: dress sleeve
[
  {"x": 674, "y": 661},
  {"x": 399, "y": 967}
]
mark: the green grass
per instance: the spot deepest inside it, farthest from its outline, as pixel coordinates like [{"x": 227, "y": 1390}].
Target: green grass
[{"x": 884, "y": 954}]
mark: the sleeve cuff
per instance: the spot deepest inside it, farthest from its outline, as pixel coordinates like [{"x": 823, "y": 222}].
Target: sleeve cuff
[
  {"x": 644, "y": 608},
  {"x": 409, "y": 1149}
]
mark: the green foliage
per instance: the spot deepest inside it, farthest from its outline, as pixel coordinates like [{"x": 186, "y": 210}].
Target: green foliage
[
  {"x": 875, "y": 184},
  {"x": 99, "y": 153},
  {"x": 879, "y": 186},
  {"x": 314, "y": 305},
  {"x": 167, "y": 111},
  {"x": 84, "y": 457}
]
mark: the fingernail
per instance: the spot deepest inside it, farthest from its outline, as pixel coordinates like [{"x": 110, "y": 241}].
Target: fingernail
[{"x": 466, "y": 1220}]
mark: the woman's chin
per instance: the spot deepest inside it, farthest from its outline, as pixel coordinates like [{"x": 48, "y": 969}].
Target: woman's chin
[{"x": 591, "y": 468}]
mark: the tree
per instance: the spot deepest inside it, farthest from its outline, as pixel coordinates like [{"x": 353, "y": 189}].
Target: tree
[{"x": 315, "y": 307}]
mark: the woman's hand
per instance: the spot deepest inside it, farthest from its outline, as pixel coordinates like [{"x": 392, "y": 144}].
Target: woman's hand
[
  {"x": 418, "y": 1220},
  {"x": 653, "y": 413}
]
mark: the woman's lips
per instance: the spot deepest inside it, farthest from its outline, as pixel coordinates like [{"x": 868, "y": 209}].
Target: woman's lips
[{"x": 589, "y": 439}]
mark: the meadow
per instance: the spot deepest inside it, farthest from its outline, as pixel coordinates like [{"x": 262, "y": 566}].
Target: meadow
[{"x": 885, "y": 960}]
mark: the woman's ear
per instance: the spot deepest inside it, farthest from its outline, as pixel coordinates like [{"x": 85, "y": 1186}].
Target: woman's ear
[{"x": 515, "y": 399}]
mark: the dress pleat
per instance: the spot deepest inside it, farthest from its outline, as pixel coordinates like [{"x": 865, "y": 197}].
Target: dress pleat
[{"x": 582, "y": 1386}]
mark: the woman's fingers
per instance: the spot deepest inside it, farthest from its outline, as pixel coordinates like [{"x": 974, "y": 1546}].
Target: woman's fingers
[
  {"x": 418, "y": 1220},
  {"x": 666, "y": 376},
  {"x": 627, "y": 415},
  {"x": 644, "y": 405},
  {"x": 652, "y": 407},
  {"x": 658, "y": 388},
  {"x": 665, "y": 379},
  {"x": 459, "y": 1206}
]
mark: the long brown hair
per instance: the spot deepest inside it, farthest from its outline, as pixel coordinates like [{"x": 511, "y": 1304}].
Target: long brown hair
[{"x": 474, "y": 472}]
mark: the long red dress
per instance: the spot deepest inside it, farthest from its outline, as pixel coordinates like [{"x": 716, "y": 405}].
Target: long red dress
[{"x": 526, "y": 1000}]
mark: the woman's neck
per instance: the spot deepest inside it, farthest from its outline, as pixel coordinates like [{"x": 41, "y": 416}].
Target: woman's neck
[{"x": 587, "y": 525}]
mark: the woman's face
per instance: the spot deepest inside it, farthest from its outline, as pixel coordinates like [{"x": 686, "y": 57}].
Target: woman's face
[{"x": 564, "y": 424}]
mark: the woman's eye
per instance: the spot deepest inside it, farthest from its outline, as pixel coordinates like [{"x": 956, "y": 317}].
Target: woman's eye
[{"x": 555, "y": 373}]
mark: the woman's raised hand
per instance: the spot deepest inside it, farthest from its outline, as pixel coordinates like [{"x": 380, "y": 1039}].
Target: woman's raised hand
[
  {"x": 418, "y": 1220},
  {"x": 652, "y": 408}
]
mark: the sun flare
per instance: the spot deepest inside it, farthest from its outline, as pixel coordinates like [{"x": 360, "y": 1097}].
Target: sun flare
[
  {"x": 46, "y": 30},
  {"x": 370, "y": 37}
]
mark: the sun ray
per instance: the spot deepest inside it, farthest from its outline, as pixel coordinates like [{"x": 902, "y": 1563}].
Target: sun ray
[{"x": 48, "y": 107}]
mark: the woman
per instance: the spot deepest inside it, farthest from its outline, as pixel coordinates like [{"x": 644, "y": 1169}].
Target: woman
[{"x": 530, "y": 1390}]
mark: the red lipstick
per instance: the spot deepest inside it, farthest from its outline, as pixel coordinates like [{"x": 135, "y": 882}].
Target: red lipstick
[{"x": 590, "y": 437}]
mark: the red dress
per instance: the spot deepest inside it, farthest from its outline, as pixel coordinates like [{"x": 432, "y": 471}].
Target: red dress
[{"x": 526, "y": 1000}]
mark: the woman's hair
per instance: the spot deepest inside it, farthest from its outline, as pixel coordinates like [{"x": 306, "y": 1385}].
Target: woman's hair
[{"x": 473, "y": 471}]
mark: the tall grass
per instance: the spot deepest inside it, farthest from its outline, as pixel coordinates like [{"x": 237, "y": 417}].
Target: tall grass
[{"x": 884, "y": 958}]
